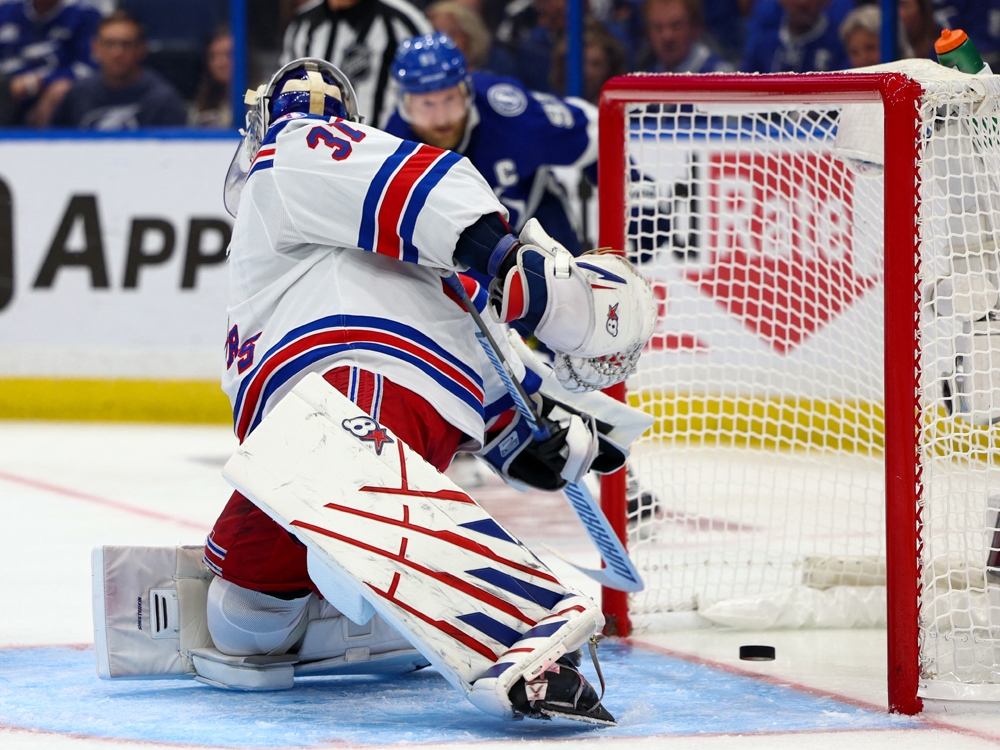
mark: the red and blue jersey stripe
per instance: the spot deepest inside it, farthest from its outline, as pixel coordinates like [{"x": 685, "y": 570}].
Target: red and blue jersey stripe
[
  {"x": 397, "y": 195},
  {"x": 301, "y": 348}
]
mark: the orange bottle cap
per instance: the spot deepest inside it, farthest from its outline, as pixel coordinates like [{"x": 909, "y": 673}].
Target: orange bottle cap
[{"x": 949, "y": 40}]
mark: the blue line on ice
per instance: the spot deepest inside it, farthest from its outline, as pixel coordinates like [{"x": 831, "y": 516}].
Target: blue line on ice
[{"x": 56, "y": 689}]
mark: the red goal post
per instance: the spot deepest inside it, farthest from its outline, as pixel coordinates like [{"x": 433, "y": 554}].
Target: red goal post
[{"x": 623, "y": 101}]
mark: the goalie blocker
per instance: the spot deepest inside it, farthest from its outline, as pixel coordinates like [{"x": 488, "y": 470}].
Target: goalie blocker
[{"x": 588, "y": 432}]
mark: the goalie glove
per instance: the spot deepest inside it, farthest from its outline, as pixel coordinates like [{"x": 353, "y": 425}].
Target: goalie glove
[
  {"x": 575, "y": 446},
  {"x": 592, "y": 307}
]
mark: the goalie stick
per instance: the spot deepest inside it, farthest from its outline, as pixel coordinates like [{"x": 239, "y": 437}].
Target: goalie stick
[{"x": 620, "y": 573}]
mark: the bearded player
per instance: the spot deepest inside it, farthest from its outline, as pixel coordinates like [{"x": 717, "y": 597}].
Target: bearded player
[{"x": 513, "y": 136}]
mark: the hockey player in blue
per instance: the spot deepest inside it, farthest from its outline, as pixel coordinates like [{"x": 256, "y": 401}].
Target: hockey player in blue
[
  {"x": 44, "y": 48},
  {"x": 510, "y": 134}
]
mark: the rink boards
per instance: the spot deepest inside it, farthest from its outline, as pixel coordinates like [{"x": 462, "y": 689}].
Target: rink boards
[{"x": 112, "y": 276}]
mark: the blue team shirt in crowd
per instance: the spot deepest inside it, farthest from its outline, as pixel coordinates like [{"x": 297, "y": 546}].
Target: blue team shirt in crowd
[
  {"x": 93, "y": 105},
  {"x": 52, "y": 46},
  {"x": 776, "y": 50},
  {"x": 980, "y": 19},
  {"x": 513, "y": 133},
  {"x": 700, "y": 59}
]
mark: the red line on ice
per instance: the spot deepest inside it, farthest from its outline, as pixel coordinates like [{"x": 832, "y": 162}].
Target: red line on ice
[
  {"x": 927, "y": 721},
  {"x": 106, "y": 502}
]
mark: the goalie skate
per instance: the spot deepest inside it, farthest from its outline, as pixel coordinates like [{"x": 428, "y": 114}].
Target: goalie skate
[
  {"x": 534, "y": 677},
  {"x": 560, "y": 692}
]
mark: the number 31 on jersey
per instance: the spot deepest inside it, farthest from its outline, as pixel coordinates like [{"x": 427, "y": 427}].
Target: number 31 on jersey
[{"x": 340, "y": 148}]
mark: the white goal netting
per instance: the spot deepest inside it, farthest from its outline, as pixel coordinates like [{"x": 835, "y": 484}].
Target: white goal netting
[{"x": 758, "y": 497}]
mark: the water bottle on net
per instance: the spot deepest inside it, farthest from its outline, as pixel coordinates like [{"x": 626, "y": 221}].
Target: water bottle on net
[{"x": 955, "y": 50}]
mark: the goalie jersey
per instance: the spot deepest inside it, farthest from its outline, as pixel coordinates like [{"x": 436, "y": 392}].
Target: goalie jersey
[{"x": 335, "y": 257}]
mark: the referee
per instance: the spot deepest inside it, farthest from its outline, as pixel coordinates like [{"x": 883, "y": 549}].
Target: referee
[{"x": 359, "y": 37}]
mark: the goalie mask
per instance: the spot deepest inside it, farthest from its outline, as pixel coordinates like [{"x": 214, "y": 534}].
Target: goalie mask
[{"x": 306, "y": 86}]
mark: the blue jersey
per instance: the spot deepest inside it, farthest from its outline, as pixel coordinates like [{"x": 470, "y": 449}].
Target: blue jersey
[
  {"x": 52, "y": 46},
  {"x": 512, "y": 136},
  {"x": 981, "y": 21},
  {"x": 776, "y": 50},
  {"x": 699, "y": 60}
]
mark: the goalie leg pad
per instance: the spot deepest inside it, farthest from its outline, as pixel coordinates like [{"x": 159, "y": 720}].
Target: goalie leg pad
[
  {"x": 149, "y": 610},
  {"x": 245, "y": 622},
  {"x": 252, "y": 673},
  {"x": 333, "y": 644},
  {"x": 325, "y": 642},
  {"x": 397, "y": 533},
  {"x": 575, "y": 619}
]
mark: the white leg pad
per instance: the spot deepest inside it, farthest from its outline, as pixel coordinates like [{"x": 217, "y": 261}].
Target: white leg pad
[
  {"x": 393, "y": 531},
  {"x": 149, "y": 610},
  {"x": 251, "y": 673},
  {"x": 263, "y": 641},
  {"x": 575, "y": 619},
  {"x": 334, "y": 645},
  {"x": 151, "y": 622},
  {"x": 244, "y": 622}
]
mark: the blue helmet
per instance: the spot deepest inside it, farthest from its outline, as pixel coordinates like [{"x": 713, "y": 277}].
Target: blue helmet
[
  {"x": 310, "y": 86},
  {"x": 431, "y": 62},
  {"x": 305, "y": 86}
]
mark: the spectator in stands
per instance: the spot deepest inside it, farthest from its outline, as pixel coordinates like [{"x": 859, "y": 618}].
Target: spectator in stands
[
  {"x": 980, "y": 19},
  {"x": 603, "y": 58},
  {"x": 177, "y": 33},
  {"x": 674, "y": 30},
  {"x": 124, "y": 95},
  {"x": 374, "y": 27},
  {"x": 805, "y": 40},
  {"x": 917, "y": 19},
  {"x": 859, "y": 33},
  {"x": 725, "y": 24},
  {"x": 767, "y": 14},
  {"x": 212, "y": 107},
  {"x": 465, "y": 26},
  {"x": 530, "y": 31},
  {"x": 44, "y": 48}
]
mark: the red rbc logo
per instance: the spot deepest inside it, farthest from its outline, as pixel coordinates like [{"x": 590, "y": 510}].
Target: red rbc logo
[{"x": 779, "y": 243}]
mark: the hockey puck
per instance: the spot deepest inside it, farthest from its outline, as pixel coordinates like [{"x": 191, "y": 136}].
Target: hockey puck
[{"x": 757, "y": 653}]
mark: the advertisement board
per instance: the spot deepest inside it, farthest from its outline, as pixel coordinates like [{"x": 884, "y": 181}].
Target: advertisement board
[{"x": 112, "y": 271}]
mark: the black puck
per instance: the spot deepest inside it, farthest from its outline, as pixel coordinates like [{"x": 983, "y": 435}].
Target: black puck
[{"x": 757, "y": 653}]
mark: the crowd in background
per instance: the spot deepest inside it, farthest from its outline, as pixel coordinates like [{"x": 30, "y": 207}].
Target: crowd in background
[{"x": 107, "y": 65}]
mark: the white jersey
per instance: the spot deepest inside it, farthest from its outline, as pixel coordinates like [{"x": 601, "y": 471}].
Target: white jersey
[{"x": 334, "y": 260}]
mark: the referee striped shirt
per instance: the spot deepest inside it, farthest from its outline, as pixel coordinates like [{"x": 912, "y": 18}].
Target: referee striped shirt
[{"x": 361, "y": 41}]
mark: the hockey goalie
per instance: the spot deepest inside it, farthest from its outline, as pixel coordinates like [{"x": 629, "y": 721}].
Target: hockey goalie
[{"x": 355, "y": 377}]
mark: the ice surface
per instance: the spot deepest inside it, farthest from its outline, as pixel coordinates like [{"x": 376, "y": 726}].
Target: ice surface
[
  {"x": 65, "y": 488},
  {"x": 649, "y": 693}
]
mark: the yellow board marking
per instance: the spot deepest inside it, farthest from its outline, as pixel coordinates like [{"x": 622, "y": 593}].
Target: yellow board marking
[
  {"x": 174, "y": 401},
  {"x": 788, "y": 423}
]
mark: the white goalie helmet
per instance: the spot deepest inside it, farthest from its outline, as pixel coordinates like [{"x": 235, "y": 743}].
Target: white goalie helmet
[{"x": 307, "y": 85}]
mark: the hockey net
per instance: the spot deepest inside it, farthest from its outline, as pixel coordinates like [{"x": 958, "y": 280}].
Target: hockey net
[{"x": 826, "y": 362}]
